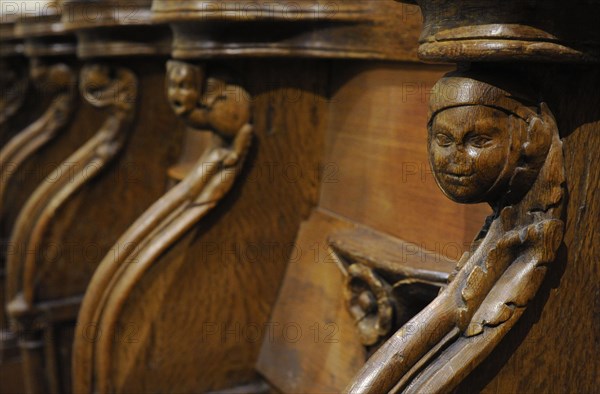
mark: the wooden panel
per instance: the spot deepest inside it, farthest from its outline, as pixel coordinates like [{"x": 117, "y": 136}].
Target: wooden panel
[
  {"x": 376, "y": 170},
  {"x": 313, "y": 346}
]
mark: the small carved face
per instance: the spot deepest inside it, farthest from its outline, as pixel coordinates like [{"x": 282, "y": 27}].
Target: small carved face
[
  {"x": 469, "y": 150},
  {"x": 183, "y": 84}
]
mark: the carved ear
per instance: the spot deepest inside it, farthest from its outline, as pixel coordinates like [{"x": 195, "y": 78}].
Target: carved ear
[
  {"x": 541, "y": 127},
  {"x": 539, "y": 135}
]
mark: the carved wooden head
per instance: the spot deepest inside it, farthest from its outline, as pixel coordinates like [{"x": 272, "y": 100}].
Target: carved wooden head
[
  {"x": 487, "y": 139},
  {"x": 184, "y": 82},
  {"x": 212, "y": 102}
]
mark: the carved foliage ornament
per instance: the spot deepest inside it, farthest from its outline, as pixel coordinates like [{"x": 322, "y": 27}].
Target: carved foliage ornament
[
  {"x": 489, "y": 140},
  {"x": 104, "y": 87},
  {"x": 211, "y": 104}
]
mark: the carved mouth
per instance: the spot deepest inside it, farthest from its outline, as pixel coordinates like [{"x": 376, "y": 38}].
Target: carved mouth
[
  {"x": 178, "y": 107},
  {"x": 457, "y": 178}
]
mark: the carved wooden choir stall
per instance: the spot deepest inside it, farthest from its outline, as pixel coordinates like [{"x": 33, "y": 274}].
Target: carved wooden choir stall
[{"x": 299, "y": 196}]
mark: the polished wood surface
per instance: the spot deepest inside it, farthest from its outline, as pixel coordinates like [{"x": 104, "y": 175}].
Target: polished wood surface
[
  {"x": 255, "y": 197},
  {"x": 531, "y": 205},
  {"x": 310, "y": 344},
  {"x": 376, "y": 169},
  {"x": 566, "y": 300},
  {"x": 61, "y": 214},
  {"x": 361, "y": 173},
  {"x": 243, "y": 245}
]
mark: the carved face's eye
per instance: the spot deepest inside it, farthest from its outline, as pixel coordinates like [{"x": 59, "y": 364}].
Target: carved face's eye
[
  {"x": 479, "y": 141},
  {"x": 443, "y": 139}
]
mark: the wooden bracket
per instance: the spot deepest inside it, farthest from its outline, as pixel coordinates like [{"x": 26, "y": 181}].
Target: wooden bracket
[
  {"x": 60, "y": 81},
  {"x": 209, "y": 104}
]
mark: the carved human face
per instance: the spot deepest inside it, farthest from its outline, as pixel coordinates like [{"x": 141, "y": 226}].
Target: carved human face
[
  {"x": 469, "y": 151},
  {"x": 182, "y": 87}
]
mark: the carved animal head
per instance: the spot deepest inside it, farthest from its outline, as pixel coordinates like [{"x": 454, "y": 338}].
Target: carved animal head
[
  {"x": 487, "y": 140},
  {"x": 206, "y": 102}
]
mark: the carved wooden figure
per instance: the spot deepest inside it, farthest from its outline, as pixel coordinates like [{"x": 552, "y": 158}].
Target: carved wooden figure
[
  {"x": 202, "y": 272},
  {"x": 73, "y": 218},
  {"x": 487, "y": 142},
  {"x": 30, "y": 154},
  {"x": 204, "y": 102},
  {"x": 509, "y": 129},
  {"x": 172, "y": 312}
]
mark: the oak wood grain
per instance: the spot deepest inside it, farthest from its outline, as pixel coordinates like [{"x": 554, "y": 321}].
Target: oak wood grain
[
  {"x": 228, "y": 267},
  {"x": 312, "y": 345},
  {"x": 376, "y": 170}
]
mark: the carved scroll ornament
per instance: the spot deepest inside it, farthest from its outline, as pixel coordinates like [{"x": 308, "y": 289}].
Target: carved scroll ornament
[
  {"x": 210, "y": 104},
  {"x": 13, "y": 86},
  {"x": 59, "y": 81},
  {"x": 489, "y": 140},
  {"x": 104, "y": 87}
]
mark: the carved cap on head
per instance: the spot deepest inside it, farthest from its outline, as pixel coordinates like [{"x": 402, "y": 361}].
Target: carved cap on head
[{"x": 461, "y": 89}]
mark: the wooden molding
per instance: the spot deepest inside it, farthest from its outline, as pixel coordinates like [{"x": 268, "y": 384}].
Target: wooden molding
[
  {"x": 118, "y": 28},
  {"x": 42, "y": 30},
  {"x": 510, "y": 30},
  {"x": 103, "y": 87},
  {"x": 10, "y": 43},
  {"x": 209, "y": 104},
  {"x": 306, "y": 28},
  {"x": 488, "y": 141}
]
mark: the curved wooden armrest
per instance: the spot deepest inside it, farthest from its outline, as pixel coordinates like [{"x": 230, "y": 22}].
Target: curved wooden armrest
[{"x": 496, "y": 280}]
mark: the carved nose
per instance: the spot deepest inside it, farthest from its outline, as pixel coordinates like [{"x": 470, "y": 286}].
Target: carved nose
[{"x": 459, "y": 163}]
